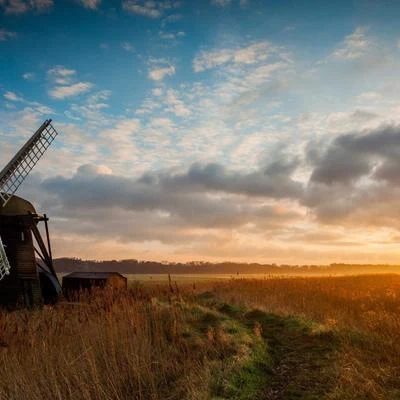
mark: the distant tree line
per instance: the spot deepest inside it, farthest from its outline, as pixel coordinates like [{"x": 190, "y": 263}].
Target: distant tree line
[{"x": 133, "y": 266}]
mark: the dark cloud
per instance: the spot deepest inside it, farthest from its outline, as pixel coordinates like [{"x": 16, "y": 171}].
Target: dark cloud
[
  {"x": 274, "y": 180},
  {"x": 90, "y": 189},
  {"x": 356, "y": 177},
  {"x": 353, "y": 156},
  {"x": 168, "y": 207}
]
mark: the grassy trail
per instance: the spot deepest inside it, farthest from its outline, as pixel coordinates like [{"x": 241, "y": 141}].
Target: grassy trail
[
  {"x": 300, "y": 355},
  {"x": 302, "y": 358}
]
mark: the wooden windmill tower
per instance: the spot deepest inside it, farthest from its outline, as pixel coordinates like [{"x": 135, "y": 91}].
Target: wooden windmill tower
[{"x": 27, "y": 275}]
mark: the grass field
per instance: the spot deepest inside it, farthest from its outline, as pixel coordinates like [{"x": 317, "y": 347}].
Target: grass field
[{"x": 283, "y": 338}]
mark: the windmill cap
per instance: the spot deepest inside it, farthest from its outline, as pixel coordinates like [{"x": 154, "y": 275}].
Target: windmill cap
[{"x": 17, "y": 206}]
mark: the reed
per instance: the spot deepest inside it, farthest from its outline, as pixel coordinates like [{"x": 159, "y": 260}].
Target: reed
[
  {"x": 167, "y": 342},
  {"x": 362, "y": 311}
]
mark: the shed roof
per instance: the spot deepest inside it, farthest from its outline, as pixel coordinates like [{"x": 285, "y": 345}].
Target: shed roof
[{"x": 93, "y": 275}]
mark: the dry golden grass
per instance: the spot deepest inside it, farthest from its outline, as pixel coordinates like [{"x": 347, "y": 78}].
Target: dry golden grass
[
  {"x": 134, "y": 344},
  {"x": 363, "y": 311},
  {"x": 112, "y": 347},
  {"x": 160, "y": 342}
]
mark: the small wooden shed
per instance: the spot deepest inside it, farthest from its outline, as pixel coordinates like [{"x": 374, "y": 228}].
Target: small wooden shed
[{"x": 77, "y": 281}]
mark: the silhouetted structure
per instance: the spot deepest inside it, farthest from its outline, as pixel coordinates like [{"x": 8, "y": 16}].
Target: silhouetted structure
[
  {"x": 25, "y": 279},
  {"x": 81, "y": 281}
]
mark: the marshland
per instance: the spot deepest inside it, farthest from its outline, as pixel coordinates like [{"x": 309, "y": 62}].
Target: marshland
[{"x": 278, "y": 338}]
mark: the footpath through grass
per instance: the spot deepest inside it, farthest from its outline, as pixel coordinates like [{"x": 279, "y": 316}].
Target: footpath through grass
[{"x": 296, "y": 361}]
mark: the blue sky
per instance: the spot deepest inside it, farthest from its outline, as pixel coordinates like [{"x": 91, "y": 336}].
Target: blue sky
[{"x": 215, "y": 129}]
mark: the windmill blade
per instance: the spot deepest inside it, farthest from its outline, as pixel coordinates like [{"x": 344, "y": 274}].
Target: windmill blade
[
  {"x": 15, "y": 172},
  {"x": 4, "y": 265}
]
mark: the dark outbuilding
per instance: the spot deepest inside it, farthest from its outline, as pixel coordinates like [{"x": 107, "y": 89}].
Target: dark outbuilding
[{"x": 78, "y": 281}]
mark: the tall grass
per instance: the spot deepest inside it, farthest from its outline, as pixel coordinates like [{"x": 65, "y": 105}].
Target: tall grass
[
  {"x": 158, "y": 342},
  {"x": 129, "y": 344},
  {"x": 364, "y": 312},
  {"x": 111, "y": 347}
]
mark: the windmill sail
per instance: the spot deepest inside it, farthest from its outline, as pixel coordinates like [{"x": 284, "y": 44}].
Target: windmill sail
[
  {"x": 4, "y": 265},
  {"x": 15, "y": 172}
]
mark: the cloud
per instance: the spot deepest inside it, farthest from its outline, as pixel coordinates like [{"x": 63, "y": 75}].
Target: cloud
[
  {"x": 170, "y": 19},
  {"x": 221, "y": 3},
  {"x": 166, "y": 211},
  {"x": 66, "y": 86},
  {"x": 350, "y": 157},
  {"x": 92, "y": 110},
  {"x": 60, "y": 71},
  {"x": 175, "y": 104},
  {"x": 24, "y": 6},
  {"x": 156, "y": 190},
  {"x": 128, "y": 47},
  {"x": 28, "y": 76},
  {"x": 158, "y": 74},
  {"x": 6, "y": 35},
  {"x": 354, "y": 46},
  {"x": 11, "y": 96},
  {"x": 148, "y": 8},
  {"x": 171, "y": 36},
  {"x": 246, "y": 55},
  {"x": 90, "y": 4},
  {"x": 75, "y": 89},
  {"x": 369, "y": 96},
  {"x": 272, "y": 181},
  {"x": 120, "y": 140},
  {"x": 352, "y": 182},
  {"x": 356, "y": 179},
  {"x": 226, "y": 3}
]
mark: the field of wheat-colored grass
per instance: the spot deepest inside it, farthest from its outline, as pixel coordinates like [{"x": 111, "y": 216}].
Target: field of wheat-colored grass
[
  {"x": 307, "y": 338},
  {"x": 135, "y": 344},
  {"x": 362, "y": 311}
]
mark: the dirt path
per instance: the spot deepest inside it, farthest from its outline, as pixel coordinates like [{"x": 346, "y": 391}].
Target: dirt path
[{"x": 302, "y": 358}]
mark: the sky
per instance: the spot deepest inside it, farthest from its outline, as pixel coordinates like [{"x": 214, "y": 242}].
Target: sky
[{"x": 220, "y": 130}]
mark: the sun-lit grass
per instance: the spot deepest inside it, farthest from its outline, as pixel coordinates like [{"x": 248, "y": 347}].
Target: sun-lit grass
[
  {"x": 337, "y": 338},
  {"x": 363, "y": 311},
  {"x": 121, "y": 345}
]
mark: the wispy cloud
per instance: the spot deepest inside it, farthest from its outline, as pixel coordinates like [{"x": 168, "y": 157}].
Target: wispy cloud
[
  {"x": 129, "y": 47},
  {"x": 61, "y": 92},
  {"x": 170, "y": 19},
  {"x": 148, "y": 8},
  {"x": 175, "y": 104},
  {"x": 226, "y": 3},
  {"x": 246, "y": 55},
  {"x": 119, "y": 138},
  {"x": 24, "y": 6},
  {"x": 158, "y": 74},
  {"x": 90, "y": 4},
  {"x": 354, "y": 46},
  {"x": 221, "y": 3},
  {"x": 7, "y": 35},
  {"x": 64, "y": 78},
  {"x": 11, "y": 96},
  {"x": 28, "y": 76},
  {"x": 171, "y": 35},
  {"x": 61, "y": 74}
]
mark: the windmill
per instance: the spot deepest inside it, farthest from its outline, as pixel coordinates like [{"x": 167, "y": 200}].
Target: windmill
[{"x": 27, "y": 275}]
